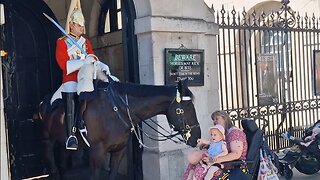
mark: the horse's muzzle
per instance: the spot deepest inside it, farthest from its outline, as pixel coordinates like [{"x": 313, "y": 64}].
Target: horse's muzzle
[{"x": 192, "y": 135}]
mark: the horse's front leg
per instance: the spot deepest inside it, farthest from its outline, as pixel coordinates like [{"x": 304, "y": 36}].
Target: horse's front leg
[
  {"x": 115, "y": 161},
  {"x": 50, "y": 160},
  {"x": 97, "y": 157}
]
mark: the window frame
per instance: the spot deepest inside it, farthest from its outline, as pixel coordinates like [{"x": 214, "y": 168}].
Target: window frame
[{"x": 111, "y": 8}]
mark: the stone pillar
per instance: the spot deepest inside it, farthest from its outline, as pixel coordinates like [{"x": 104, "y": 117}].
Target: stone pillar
[
  {"x": 4, "y": 167},
  {"x": 170, "y": 24}
]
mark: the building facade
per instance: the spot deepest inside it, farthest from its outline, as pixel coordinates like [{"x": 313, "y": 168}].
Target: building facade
[{"x": 131, "y": 37}]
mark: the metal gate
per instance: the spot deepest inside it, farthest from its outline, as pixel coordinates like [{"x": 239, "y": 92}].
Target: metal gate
[
  {"x": 269, "y": 69},
  {"x": 29, "y": 73}
]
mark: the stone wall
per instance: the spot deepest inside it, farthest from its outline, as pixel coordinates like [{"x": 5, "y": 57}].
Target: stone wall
[{"x": 170, "y": 24}]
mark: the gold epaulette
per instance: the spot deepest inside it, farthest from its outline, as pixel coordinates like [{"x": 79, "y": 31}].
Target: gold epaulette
[{"x": 63, "y": 37}]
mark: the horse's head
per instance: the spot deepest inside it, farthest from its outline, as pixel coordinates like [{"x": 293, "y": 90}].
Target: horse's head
[{"x": 182, "y": 115}]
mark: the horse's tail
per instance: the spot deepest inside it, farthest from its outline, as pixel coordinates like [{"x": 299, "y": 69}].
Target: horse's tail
[
  {"x": 40, "y": 111},
  {"x": 44, "y": 107}
]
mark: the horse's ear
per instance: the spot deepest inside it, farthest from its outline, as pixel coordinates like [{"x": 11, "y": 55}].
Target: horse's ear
[
  {"x": 185, "y": 83},
  {"x": 182, "y": 86}
]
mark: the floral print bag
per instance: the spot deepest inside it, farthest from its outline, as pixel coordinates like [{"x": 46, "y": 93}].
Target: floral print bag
[{"x": 267, "y": 170}]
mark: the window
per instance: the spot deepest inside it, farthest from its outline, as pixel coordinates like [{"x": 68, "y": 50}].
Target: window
[
  {"x": 110, "y": 17},
  {"x": 273, "y": 42}
]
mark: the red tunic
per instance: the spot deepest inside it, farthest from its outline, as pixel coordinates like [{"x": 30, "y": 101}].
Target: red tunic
[{"x": 62, "y": 57}]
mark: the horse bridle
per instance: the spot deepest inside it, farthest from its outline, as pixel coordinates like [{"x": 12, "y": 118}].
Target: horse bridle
[{"x": 186, "y": 129}]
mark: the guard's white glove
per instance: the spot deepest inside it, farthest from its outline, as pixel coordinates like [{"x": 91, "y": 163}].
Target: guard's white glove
[
  {"x": 104, "y": 68},
  {"x": 114, "y": 78},
  {"x": 90, "y": 58}
]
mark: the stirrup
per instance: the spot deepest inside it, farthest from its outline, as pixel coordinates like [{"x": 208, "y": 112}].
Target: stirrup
[
  {"x": 74, "y": 143},
  {"x": 84, "y": 135}
]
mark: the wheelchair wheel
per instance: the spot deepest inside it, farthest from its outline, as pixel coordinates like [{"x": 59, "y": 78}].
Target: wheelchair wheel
[
  {"x": 288, "y": 173},
  {"x": 308, "y": 165},
  {"x": 281, "y": 169}
]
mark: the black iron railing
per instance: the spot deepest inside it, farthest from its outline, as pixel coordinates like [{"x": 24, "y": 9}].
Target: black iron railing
[{"x": 268, "y": 65}]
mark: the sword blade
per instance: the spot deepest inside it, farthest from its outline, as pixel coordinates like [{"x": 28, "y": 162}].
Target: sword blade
[{"x": 65, "y": 33}]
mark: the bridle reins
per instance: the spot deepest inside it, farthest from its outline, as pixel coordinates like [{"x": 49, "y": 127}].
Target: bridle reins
[{"x": 185, "y": 130}]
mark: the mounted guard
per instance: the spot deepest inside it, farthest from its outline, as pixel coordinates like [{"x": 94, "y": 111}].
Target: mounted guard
[{"x": 73, "y": 52}]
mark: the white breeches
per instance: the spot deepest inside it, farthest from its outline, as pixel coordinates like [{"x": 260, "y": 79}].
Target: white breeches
[
  {"x": 70, "y": 86},
  {"x": 86, "y": 75}
]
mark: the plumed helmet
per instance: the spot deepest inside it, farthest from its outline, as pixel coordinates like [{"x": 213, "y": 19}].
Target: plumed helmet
[
  {"x": 77, "y": 17},
  {"x": 74, "y": 14}
]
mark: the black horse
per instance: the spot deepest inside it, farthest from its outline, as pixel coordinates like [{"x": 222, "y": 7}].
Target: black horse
[{"x": 112, "y": 114}]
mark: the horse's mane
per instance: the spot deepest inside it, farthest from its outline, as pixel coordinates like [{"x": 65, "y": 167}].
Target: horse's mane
[
  {"x": 189, "y": 93},
  {"x": 141, "y": 90}
]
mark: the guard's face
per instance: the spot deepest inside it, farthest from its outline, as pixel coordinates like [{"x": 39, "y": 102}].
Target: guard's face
[{"x": 76, "y": 29}]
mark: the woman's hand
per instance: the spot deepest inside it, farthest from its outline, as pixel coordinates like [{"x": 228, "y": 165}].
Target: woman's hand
[
  {"x": 215, "y": 159},
  {"x": 208, "y": 160}
]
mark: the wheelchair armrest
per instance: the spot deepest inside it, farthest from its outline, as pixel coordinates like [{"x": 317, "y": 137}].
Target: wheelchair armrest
[{"x": 234, "y": 163}]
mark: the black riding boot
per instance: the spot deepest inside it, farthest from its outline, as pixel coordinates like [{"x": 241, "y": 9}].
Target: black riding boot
[{"x": 69, "y": 100}]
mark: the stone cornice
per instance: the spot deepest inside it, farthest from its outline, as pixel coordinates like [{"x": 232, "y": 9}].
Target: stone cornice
[{"x": 174, "y": 24}]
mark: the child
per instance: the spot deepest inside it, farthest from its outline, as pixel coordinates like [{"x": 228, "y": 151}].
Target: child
[
  {"x": 307, "y": 140},
  {"x": 217, "y": 147}
]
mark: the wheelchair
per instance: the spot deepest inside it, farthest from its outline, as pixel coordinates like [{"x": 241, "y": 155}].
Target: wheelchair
[{"x": 248, "y": 169}]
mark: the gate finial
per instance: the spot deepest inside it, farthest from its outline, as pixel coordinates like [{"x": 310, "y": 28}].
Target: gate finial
[{"x": 285, "y": 1}]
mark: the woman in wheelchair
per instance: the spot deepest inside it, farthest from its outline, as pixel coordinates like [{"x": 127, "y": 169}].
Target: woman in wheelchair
[{"x": 236, "y": 144}]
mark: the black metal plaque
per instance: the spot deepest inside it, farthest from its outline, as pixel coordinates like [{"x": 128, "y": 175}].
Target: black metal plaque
[{"x": 184, "y": 64}]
